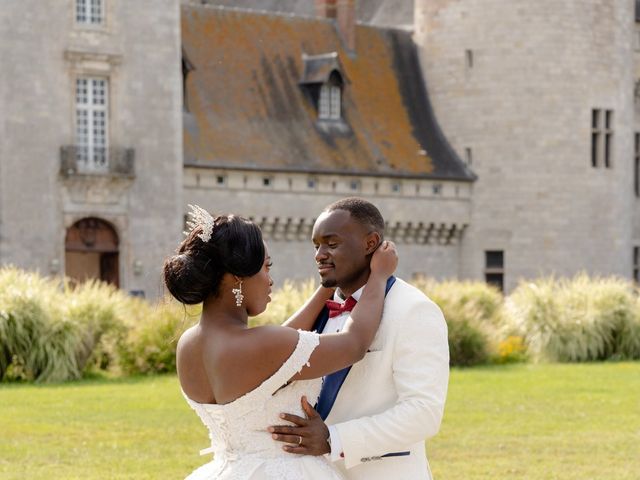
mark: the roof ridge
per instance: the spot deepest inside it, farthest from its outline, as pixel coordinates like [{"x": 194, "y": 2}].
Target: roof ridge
[
  {"x": 275, "y": 13},
  {"x": 401, "y": 28},
  {"x": 258, "y": 12}
]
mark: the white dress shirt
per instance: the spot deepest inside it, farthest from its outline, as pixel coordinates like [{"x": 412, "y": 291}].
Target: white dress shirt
[{"x": 334, "y": 325}]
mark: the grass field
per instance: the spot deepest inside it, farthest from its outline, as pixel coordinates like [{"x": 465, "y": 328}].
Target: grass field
[{"x": 521, "y": 422}]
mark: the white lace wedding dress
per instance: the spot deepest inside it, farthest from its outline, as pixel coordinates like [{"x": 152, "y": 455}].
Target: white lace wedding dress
[{"x": 240, "y": 443}]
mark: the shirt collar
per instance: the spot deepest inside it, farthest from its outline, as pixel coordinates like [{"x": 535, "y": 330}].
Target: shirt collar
[{"x": 338, "y": 297}]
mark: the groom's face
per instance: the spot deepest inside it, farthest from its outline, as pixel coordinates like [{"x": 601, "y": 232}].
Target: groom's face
[{"x": 342, "y": 250}]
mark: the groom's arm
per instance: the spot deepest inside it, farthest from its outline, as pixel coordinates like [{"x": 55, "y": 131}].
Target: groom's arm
[
  {"x": 306, "y": 315},
  {"x": 421, "y": 375}
]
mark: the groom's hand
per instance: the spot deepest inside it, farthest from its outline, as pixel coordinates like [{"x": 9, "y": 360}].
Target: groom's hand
[{"x": 307, "y": 436}]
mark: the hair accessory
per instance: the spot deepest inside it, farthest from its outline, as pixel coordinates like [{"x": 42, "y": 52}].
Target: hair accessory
[
  {"x": 238, "y": 293},
  {"x": 200, "y": 217}
]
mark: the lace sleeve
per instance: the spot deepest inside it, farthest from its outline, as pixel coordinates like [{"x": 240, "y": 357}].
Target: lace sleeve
[{"x": 307, "y": 342}]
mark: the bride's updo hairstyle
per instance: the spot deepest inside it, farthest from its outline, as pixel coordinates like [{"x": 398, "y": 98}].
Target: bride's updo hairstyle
[{"x": 195, "y": 272}]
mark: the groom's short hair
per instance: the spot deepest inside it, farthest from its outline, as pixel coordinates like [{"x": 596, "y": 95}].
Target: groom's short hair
[{"x": 365, "y": 213}]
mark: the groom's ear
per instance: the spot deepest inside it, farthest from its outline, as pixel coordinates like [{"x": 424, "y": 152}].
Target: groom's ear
[{"x": 373, "y": 240}]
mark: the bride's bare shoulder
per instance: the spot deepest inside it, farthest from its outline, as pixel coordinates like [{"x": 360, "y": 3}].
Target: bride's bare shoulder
[
  {"x": 242, "y": 360},
  {"x": 188, "y": 339},
  {"x": 267, "y": 340}
]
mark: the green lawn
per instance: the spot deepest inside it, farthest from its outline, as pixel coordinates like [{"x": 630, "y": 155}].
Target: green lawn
[
  {"x": 541, "y": 422},
  {"x": 521, "y": 422}
]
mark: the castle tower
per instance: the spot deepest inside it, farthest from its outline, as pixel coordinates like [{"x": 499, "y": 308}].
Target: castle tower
[{"x": 538, "y": 97}]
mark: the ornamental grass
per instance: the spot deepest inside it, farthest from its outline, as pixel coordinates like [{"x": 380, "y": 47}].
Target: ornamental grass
[
  {"x": 474, "y": 312},
  {"x": 52, "y": 332},
  {"x": 576, "y": 319},
  {"x": 36, "y": 341},
  {"x": 285, "y": 301},
  {"x": 104, "y": 313},
  {"x": 152, "y": 337}
]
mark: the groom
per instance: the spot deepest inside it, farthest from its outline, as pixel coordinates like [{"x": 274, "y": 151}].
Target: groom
[{"x": 378, "y": 412}]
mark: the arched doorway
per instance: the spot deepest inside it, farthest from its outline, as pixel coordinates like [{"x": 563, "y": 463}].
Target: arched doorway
[{"x": 91, "y": 251}]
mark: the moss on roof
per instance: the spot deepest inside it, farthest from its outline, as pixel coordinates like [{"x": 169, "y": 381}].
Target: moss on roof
[{"x": 248, "y": 109}]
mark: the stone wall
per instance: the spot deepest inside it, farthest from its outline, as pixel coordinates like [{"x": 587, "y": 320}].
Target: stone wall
[
  {"x": 426, "y": 218},
  {"x": 138, "y": 50},
  {"x": 513, "y": 84}
]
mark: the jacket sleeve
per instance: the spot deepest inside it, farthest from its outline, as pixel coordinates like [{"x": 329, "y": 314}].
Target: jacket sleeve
[{"x": 421, "y": 376}]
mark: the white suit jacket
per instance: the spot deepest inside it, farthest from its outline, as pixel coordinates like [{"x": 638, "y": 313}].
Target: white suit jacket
[{"x": 393, "y": 399}]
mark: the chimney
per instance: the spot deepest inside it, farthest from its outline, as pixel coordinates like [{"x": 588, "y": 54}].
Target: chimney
[{"x": 344, "y": 12}]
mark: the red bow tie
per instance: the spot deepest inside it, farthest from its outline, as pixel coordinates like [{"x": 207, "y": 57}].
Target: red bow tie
[{"x": 337, "y": 308}]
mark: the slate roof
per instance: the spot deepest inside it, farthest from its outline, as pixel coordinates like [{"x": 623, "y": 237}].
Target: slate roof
[{"x": 250, "y": 108}]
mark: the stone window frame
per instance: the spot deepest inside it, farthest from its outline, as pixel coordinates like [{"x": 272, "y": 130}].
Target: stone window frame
[
  {"x": 636, "y": 165},
  {"x": 330, "y": 102},
  {"x": 468, "y": 154},
  {"x": 602, "y": 134},
  {"x": 313, "y": 183},
  {"x": 355, "y": 185},
  {"x": 268, "y": 181},
  {"x": 85, "y": 8},
  {"x": 92, "y": 153},
  {"x": 494, "y": 268},
  {"x": 99, "y": 65},
  {"x": 468, "y": 54}
]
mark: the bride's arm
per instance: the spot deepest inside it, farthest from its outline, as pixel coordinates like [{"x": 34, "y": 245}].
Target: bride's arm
[
  {"x": 339, "y": 350},
  {"x": 268, "y": 347},
  {"x": 306, "y": 315}
]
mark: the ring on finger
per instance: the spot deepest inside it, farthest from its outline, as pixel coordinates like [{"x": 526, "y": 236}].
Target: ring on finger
[{"x": 299, "y": 440}]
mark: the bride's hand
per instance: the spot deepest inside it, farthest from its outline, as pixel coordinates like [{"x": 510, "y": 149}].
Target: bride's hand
[
  {"x": 385, "y": 259},
  {"x": 326, "y": 293}
]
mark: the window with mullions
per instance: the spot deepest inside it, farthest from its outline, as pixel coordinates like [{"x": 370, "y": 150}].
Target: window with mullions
[
  {"x": 601, "y": 138},
  {"x": 636, "y": 166},
  {"x": 91, "y": 123},
  {"x": 494, "y": 268},
  {"x": 329, "y": 103},
  {"x": 89, "y": 12}
]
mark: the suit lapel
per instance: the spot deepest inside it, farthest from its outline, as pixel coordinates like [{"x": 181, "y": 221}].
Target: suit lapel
[{"x": 333, "y": 382}]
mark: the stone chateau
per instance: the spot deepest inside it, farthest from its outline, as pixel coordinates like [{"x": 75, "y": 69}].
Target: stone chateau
[{"x": 499, "y": 138}]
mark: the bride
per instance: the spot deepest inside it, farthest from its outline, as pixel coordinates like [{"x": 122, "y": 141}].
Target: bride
[{"x": 239, "y": 379}]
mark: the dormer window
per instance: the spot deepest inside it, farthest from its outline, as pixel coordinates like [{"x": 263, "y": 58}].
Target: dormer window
[
  {"x": 329, "y": 103},
  {"x": 323, "y": 80}
]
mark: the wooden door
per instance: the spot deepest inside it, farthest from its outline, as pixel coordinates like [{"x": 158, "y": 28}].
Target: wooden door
[{"x": 91, "y": 247}]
